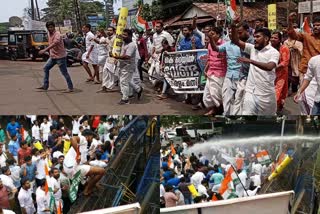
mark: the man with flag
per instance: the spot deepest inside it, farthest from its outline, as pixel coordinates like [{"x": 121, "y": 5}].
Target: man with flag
[
  {"x": 227, "y": 189},
  {"x": 71, "y": 167}
]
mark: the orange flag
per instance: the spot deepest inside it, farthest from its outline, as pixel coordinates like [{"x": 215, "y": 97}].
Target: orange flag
[
  {"x": 169, "y": 161},
  {"x": 173, "y": 151},
  {"x": 59, "y": 208},
  {"x": 233, "y": 5},
  {"x": 214, "y": 198},
  {"x": 239, "y": 163},
  {"x": 78, "y": 152},
  {"x": 46, "y": 188},
  {"x": 306, "y": 26}
]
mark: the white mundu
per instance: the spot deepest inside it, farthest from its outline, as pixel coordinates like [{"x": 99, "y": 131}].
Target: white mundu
[{"x": 260, "y": 97}]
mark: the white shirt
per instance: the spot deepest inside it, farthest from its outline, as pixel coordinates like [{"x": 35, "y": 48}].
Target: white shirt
[
  {"x": 257, "y": 168},
  {"x": 32, "y": 118},
  {"x": 197, "y": 178},
  {"x": 103, "y": 47},
  {"x": 40, "y": 169},
  {"x": 98, "y": 163},
  {"x": 8, "y": 211},
  {"x": 7, "y": 182},
  {"x": 158, "y": 38},
  {"x": 25, "y": 200},
  {"x": 75, "y": 126},
  {"x": 107, "y": 127},
  {"x": 94, "y": 144},
  {"x": 202, "y": 190},
  {"x": 90, "y": 42},
  {"x": 36, "y": 132},
  {"x": 261, "y": 82},
  {"x": 42, "y": 201},
  {"x": 3, "y": 158},
  {"x": 256, "y": 179},
  {"x": 314, "y": 72},
  {"x": 83, "y": 149},
  {"x": 56, "y": 185},
  {"x": 45, "y": 128}
]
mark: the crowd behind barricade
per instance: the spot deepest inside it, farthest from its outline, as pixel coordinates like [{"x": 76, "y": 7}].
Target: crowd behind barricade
[
  {"x": 250, "y": 70},
  {"x": 40, "y": 155},
  {"x": 221, "y": 173}
]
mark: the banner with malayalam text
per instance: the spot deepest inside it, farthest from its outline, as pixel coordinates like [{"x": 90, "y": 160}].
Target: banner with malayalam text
[
  {"x": 272, "y": 16},
  {"x": 184, "y": 70}
]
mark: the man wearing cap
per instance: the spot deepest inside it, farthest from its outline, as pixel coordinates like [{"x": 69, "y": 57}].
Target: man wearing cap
[{"x": 71, "y": 167}]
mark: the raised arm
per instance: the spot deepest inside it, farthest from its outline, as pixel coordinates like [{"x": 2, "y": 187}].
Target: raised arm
[{"x": 235, "y": 37}]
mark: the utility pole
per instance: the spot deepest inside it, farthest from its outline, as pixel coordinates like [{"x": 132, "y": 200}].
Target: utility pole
[
  {"x": 311, "y": 11},
  {"x": 37, "y": 9},
  {"x": 77, "y": 13},
  {"x": 32, "y": 10}
]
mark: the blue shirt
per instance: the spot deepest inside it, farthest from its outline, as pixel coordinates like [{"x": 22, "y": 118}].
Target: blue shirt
[
  {"x": 186, "y": 44},
  {"x": 244, "y": 70},
  {"x": 173, "y": 182},
  {"x": 166, "y": 175},
  {"x": 233, "y": 53},
  {"x": 105, "y": 156},
  {"x": 12, "y": 128},
  {"x": 31, "y": 172},
  {"x": 13, "y": 147}
]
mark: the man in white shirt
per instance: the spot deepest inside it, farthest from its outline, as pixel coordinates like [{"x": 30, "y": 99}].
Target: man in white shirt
[
  {"x": 197, "y": 178},
  {"x": 36, "y": 130},
  {"x": 202, "y": 190},
  {"x": 257, "y": 168},
  {"x": 72, "y": 166},
  {"x": 128, "y": 66},
  {"x": 76, "y": 125},
  {"x": 3, "y": 156},
  {"x": 158, "y": 37},
  {"x": 7, "y": 180},
  {"x": 107, "y": 126},
  {"x": 25, "y": 198},
  {"x": 55, "y": 182},
  {"x": 91, "y": 55},
  {"x": 260, "y": 96},
  {"x": 42, "y": 199},
  {"x": 45, "y": 129},
  {"x": 312, "y": 72},
  {"x": 40, "y": 163}
]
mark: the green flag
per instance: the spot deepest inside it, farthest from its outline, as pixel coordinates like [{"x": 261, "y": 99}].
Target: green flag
[{"x": 74, "y": 187}]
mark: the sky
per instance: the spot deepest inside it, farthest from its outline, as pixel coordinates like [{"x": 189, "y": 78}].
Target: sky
[{"x": 15, "y": 8}]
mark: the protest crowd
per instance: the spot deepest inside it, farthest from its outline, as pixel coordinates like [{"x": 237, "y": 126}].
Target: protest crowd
[
  {"x": 232, "y": 69},
  {"x": 219, "y": 173},
  {"x": 46, "y": 162}
]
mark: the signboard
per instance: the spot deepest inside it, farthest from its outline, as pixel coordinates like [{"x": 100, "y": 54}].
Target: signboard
[
  {"x": 64, "y": 30},
  {"x": 67, "y": 23},
  {"x": 304, "y": 7},
  {"x": 95, "y": 19},
  {"x": 122, "y": 23},
  {"x": 184, "y": 70},
  {"x": 272, "y": 16}
]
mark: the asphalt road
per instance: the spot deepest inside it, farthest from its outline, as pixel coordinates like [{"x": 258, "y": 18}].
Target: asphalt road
[{"x": 18, "y": 95}]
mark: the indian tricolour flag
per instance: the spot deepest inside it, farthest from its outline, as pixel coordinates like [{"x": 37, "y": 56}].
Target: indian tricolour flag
[
  {"x": 49, "y": 189},
  {"x": 305, "y": 28},
  {"x": 263, "y": 157},
  {"x": 227, "y": 189},
  {"x": 231, "y": 9},
  {"x": 139, "y": 23}
]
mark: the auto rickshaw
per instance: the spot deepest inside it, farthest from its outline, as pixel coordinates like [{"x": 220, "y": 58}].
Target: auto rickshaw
[
  {"x": 3, "y": 45},
  {"x": 27, "y": 44}
]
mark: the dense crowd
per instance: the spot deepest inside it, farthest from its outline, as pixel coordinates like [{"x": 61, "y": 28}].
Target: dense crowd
[
  {"x": 42, "y": 153},
  {"x": 250, "y": 70},
  {"x": 216, "y": 173}
]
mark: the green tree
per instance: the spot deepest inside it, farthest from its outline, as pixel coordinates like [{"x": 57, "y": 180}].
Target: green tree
[{"x": 59, "y": 10}]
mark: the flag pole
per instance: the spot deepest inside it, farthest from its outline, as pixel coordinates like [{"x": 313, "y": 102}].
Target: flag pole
[
  {"x": 239, "y": 179},
  {"x": 241, "y": 9}
]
